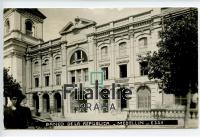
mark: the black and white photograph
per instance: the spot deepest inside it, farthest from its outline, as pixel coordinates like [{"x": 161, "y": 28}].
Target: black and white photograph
[{"x": 100, "y": 68}]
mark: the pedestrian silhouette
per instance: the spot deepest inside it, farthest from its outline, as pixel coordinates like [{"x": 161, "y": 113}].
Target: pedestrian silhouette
[{"x": 15, "y": 115}]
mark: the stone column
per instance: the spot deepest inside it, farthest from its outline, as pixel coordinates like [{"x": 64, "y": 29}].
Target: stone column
[
  {"x": 112, "y": 72},
  {"x": 64, "y": 78},
  {"x": 62, "y": 104},
  {"x": 132, "y": 102},
  {"x": 30, "y": 98},
  {"x": 51, "y": 101},
  {"x": 40, "y": 67},
  {"x": 32, "y": 77},
  {"x": 76, "y": 76},
  {"x": 82, "y": 76},
  {"x": 131, "y": 52},
  {"x": 66, "y": 103},
  {"x": 40, "y": 103},
  {"x": 51, "y": 82},
  {"x": 28, "y": 74},
  {"x": 69, "y": 78},
  {"x": 112, "y": 59},
  {"x": 113, "y": 102}
]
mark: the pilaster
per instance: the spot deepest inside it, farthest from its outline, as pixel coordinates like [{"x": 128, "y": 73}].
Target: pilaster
[
  {"x": 40, "y": 68},
  {"x": 28, "y": 73},
  {"x": 52, "y": 107},
  {"x": 40, "y": 103},
  {"x": 51, "y": 82}
]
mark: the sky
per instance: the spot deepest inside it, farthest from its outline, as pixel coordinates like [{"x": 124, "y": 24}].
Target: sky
[{"x": 58, "y": 18}]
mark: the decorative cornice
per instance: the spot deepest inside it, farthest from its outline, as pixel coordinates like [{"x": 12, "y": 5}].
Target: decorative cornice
[
  {"x": 104, "y": 64},
  {"x": 36, "y": 74},
  {"x": 58, "y": 71},
  {"x": 46, "y": 73},
  {"x": 123, "y": 61}
]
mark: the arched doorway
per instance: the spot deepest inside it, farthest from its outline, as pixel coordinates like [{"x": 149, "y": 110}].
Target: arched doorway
[
  {"x": 46, "y": 103},
  {"x": 144, "y": 97},
  {"x": 36, "y": 101},
  {"x": 57, "y": 102}
]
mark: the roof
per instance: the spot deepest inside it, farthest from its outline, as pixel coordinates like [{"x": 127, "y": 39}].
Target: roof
[{"x": 30, "y": 10}]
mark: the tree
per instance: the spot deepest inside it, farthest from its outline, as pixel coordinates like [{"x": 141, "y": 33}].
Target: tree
[
  {"x": 10, "y": 84},
  {"x": 176, "y": 61}
]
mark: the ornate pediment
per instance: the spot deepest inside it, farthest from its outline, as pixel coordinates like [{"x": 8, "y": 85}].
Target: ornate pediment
[
  {"x": 79, "y": 23},
  {"x": 122, "y": 61},
  {"x": 104, "y": 64}
]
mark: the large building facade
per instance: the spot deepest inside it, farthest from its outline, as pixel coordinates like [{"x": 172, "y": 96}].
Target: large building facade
[{"x": 82, "y": 51}]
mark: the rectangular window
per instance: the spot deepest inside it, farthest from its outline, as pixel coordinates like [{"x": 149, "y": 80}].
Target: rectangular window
[
  {"x": 36, "y": 82},
  {"x": 144, "y": 68},
  {"x": 47, "y": 81},
  {"x": 86, "y": 74},
  {"x": 73, "y": 80},
  {"x": 73, "y": 77},
  {"x": 123, "y": 71},
  {"x": 105, "y": 73},
  {"x": 58, "y": 79}
]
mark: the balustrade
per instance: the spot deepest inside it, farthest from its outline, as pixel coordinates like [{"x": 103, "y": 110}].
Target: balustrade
[{"x": 158, "y": 114}]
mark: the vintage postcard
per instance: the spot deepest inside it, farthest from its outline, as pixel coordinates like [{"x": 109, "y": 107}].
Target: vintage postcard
[{"x": 90, "y": 68}]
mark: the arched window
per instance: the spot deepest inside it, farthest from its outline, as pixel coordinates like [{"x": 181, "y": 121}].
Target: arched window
[
  {"x": 122, "y": 48},
  {"x": 144, "y": 98},
  {"x": 78, "y": 56},
  {"x": 57, "y": 62},
  {"x": 104, "y": 52},
  {"x": 7, "y": 27},
  {"x": 29, "y": 27},
  {"x": 143, "y": 42}
]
